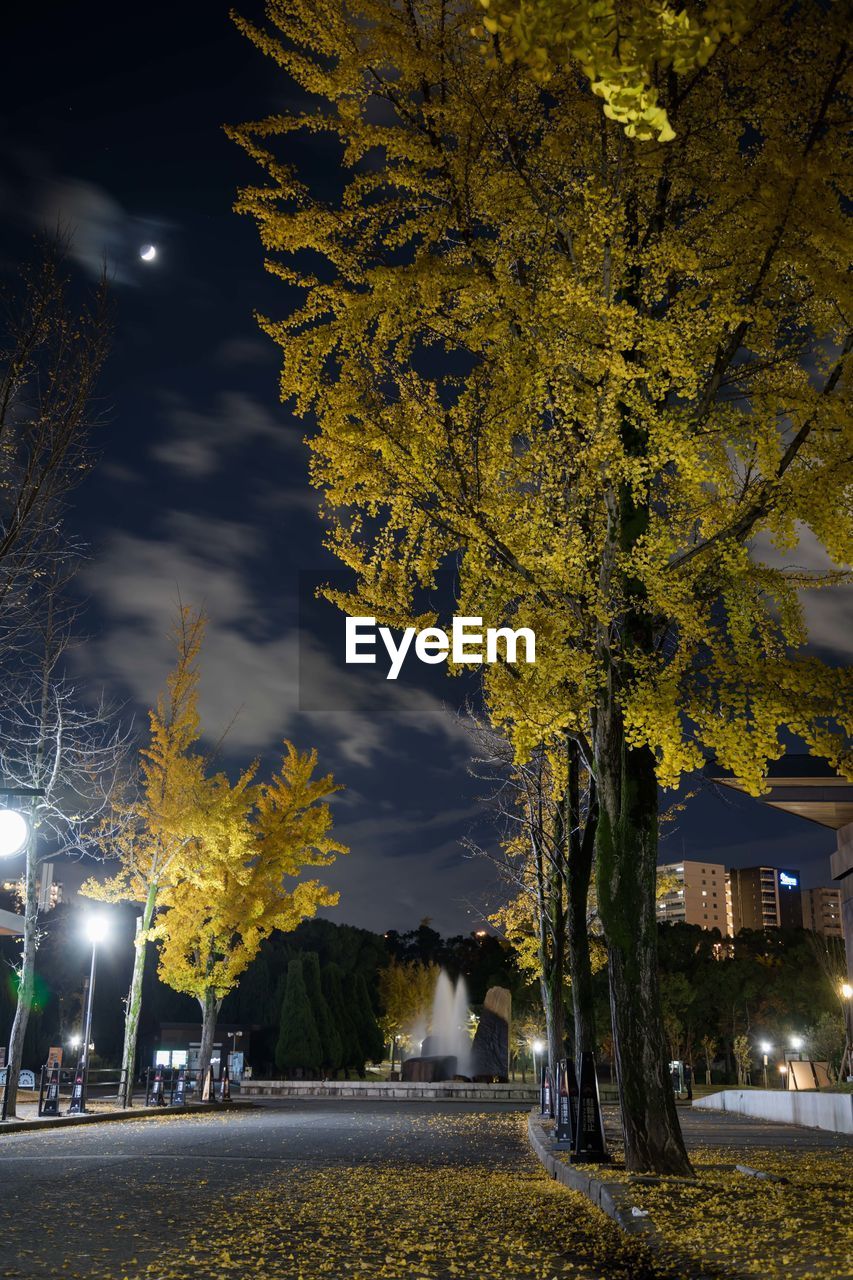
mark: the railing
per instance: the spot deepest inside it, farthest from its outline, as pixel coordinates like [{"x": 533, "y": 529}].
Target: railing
[{"x": 79, "y": 1086}]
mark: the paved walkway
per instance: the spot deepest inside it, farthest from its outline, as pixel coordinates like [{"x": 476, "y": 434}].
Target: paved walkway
[
  {"x": 722, "y": 1129},
  {"x": 310, "y": 1189}
]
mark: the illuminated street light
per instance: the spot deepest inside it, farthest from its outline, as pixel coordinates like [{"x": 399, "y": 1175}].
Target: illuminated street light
[
  {"x": 765, "y": 1047},
  {"x": 847, "y": 1061},
  {"x": 537, "y": 1047},
  {"x": 796, "y": 1043},
  {"x": 96, "y": 928},
  {"x": 14, "y": 832}
]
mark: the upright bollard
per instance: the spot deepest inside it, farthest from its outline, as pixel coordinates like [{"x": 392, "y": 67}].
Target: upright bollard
[
  {"x": 77, "y": 1106},
  {"x": 208, "y": 1089},
  {"x": 543, "y": 1107},
  {"x": 157, "y": 1099},
  {"x": 7, "y": 1081},
  {"x": 546, "y": 1091},
  {"x": 225, "y": 1086},
  {"x": 589, "y": 1141},
  {"x": 564, "y": 1132},
  {"x": 179, "y": 1096},
  {"x": 49, "y": 1092}
]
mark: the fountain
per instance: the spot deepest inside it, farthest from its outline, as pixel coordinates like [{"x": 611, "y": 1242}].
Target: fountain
[{"x": 446, "y": 1050}]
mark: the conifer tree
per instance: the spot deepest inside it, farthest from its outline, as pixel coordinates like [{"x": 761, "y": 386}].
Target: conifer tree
[
  {"x": 368, "y": 1038},
  {"x": 330, "y": 1040},
  {"x": 298, "y": 1045},
  {"x": 341, "y": 1015}
]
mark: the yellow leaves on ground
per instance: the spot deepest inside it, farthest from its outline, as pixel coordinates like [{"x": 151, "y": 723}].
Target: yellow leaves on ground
[
  {"x": 737, "y": 1225},
  {"x": 409, "y": 1221}
]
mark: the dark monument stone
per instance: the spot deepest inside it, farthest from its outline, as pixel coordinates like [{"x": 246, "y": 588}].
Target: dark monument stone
[
  {"x": 429, "y": 1069},
  {"x": 490, "y": 1050}
]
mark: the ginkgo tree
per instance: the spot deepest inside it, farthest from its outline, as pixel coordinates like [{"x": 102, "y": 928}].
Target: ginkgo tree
[
  {"x": 150, "y": 828},
  {"x": 208, "y": 860},
  {"x": 251, "y": 841},
  {"x": 601, "y": 377}
]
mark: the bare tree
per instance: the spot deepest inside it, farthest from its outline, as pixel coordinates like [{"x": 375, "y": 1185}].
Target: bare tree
[
  {"x": 71, "y": 755},
  {"x": 52, "y": 349},
  {"x": 547, "y": 814}
]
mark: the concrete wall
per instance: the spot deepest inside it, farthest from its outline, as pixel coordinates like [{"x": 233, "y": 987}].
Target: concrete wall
[
  {"x": 833, "y": 1111},
  {"x": 395, "y": 1089}
]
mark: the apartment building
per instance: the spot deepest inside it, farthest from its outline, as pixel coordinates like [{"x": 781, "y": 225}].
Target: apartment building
[
  {"x": 822, "y": 911},
  {"x": 695, "y": 893},
  {"x": 766, "y": 898}
]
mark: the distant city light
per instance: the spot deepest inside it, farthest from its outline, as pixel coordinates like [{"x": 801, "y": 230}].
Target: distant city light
[{"x": 14, "y": 832}]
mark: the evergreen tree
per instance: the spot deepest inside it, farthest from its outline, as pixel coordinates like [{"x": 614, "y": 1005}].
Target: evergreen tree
[
  {"x": 340, "y": 1013},
  {"x": 331, "y": 1048},
  {"x": 298, "y": 1039},
  {"x": 369, "y": 1038}
]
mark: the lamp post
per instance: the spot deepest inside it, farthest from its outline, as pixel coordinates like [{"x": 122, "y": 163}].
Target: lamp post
[
  {"x": 96, "y": 928},
  {"x": 536, "y": 1046},
  {"x": 847, "y": 1061},
  {"x": 797, "y": 1046},
  {"x": 765, "y": 1049}
]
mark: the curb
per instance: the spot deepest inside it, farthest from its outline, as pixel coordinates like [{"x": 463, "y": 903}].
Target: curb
[
  {"x": 113, "y": 1117},
  {"x": 611, "y": 1198}
]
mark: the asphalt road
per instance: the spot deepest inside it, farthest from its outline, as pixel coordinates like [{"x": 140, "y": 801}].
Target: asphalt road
[{"x": 303, "y": 1189}]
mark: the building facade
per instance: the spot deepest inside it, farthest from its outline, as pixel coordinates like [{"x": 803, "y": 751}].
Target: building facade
[
  {"x": 766, "y": 898},
  {"x": 695, "y": 893},
  {"x": 822, "y": 911}
]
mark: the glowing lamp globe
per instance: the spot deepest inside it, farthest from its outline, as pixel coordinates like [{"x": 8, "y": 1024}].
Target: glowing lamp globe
[
  {"x": 14, "y": 832},
  {"x": 97, "y": 928},
  {"x": 846, "y": 990}
]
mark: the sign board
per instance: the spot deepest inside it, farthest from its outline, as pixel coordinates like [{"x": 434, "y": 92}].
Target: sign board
[
  {"x": 787, "y": 880},
  {"x": 54, "y": 1056},
  {"x": 26, "y": 1079}
]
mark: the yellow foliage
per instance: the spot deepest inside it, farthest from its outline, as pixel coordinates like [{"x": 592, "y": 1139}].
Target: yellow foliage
[
  {"x": 624, "y": 48},
  {"x": 583, "y": 371},
  {"x": 216, "y": 860}
]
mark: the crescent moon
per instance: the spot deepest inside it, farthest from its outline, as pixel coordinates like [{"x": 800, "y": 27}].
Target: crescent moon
[{"x": 148, "y": 254}]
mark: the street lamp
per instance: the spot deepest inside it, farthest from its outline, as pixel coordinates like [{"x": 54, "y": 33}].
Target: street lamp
[
  {"x": 537, "y": 1047},
  {"x": 765, "y": 1048},
  {"x": 797, "y": 1045},
  {"x": 14, "y": 832},
  {"x": 96, "y": 928},
  {"x": 847, "y": 1061}
]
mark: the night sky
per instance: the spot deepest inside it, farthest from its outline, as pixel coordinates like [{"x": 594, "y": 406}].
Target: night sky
[{"x": 111, "y": 129}]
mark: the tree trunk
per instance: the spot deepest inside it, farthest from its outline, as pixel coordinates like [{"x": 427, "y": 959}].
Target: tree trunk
[
  {"x": 627, "y": 864},
  {"x": 134, "y": 998},
  {"x": 555, "y": 1017},
  {"x": 581, "y": 843},
  {"x": 28, "y": 972},
  {"x": 210, "y": 1006}
]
